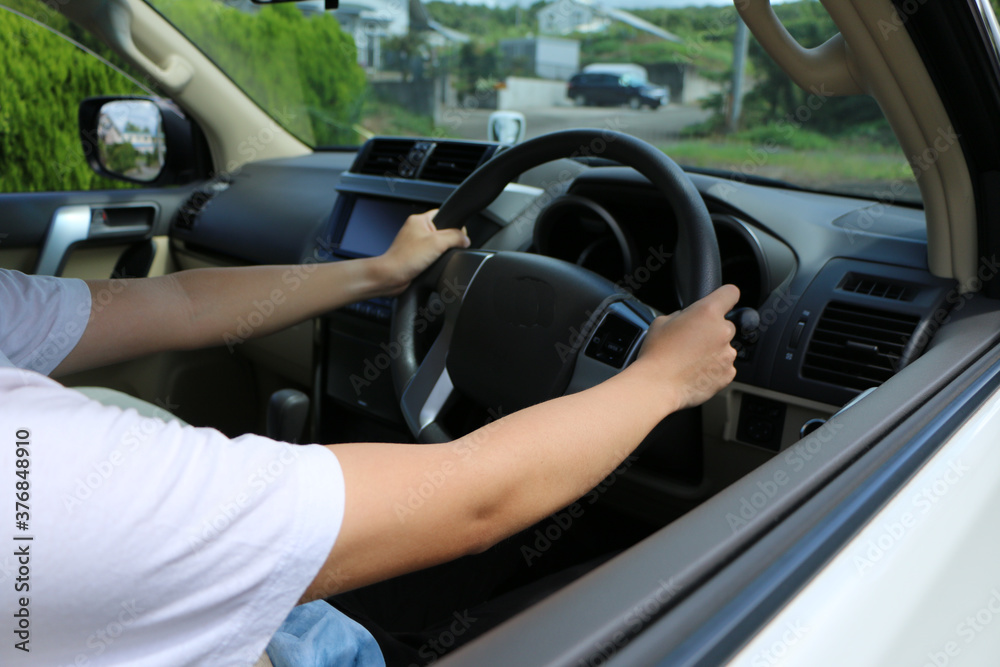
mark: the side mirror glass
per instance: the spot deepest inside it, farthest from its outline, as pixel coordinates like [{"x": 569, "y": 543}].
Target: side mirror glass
[
  {"x": 145, "y": 140},
  {"x": 130, "y": 140}
]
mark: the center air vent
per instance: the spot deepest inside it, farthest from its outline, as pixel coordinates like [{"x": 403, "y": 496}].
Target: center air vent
[
  {"x": 453, "y": 162},
  {"x": 385, "y": 157},
  {"x": 439, "y": 161},
  {"x": 857, "y": 347}
]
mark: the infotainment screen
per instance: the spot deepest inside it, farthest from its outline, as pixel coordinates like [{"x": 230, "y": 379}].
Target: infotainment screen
[{"x": 373, "y": 224}]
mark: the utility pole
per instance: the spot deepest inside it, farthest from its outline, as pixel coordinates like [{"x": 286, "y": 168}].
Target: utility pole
[{"x": 740, "y": 45}]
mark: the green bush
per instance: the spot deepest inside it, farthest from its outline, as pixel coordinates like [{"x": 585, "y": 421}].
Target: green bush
[
  {"x": 123, "y": 158},
  {"x": 45, "y": 78},
  {"x": 301, "y": 69}
]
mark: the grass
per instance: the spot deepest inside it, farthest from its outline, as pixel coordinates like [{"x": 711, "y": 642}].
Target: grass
[
  {"x": 384, "y": 118},
  {"x": 822, "y": 167}
]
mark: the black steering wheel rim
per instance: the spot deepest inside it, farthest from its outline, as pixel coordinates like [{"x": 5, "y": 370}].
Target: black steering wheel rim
[{"x": 697, "y": 265}]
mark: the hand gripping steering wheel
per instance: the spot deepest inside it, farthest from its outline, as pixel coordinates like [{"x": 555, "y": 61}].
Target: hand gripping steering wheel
[{"x": 518, "y": 328}]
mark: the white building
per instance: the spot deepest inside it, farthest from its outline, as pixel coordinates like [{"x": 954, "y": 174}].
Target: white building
[
  {"x": 545, "y": 57},
  {"x": 371, "y": 22},
  {"x": 562, "y": 17}
]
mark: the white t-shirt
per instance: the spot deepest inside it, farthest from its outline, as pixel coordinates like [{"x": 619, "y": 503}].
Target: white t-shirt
[{"x": 152, "y": 543}]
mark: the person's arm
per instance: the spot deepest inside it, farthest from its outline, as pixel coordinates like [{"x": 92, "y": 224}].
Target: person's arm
[
  {"x": 412, "y": 506},
  {"x": 208, "y": 307}
]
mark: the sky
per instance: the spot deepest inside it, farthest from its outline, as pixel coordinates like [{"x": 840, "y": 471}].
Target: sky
[{"x": 141, "y": 113}]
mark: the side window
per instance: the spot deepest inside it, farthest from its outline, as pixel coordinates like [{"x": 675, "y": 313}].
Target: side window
[{"x": 47, "y": 72}]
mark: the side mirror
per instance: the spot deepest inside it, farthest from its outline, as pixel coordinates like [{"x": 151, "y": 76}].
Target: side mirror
[{"x": 141, "y": 140}]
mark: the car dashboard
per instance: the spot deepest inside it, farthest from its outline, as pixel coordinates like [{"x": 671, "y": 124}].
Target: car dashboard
[{"x": 841, "y": 286}]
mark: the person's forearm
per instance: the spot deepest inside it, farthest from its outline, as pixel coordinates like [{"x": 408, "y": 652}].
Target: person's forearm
[
  {"x": 409, "y": 506},
  {"x": 236, "y": 304},
  {"x": 573, "y": 443},
  {"x": 206, "y": 307},
  {"x": 433, "y": 503},
  {"x": 209, "y": 307}
]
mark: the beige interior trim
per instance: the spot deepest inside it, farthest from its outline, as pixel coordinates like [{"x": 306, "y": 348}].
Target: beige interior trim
[
  {"x": 237, "y": 129},
  {"x": 826, "y": 67},
  {"x": 163, "y": 261},
  {"x": 19, "y": 259},
  {"x": 97, "y": 263},
  {"x": 94, "y": 263},
  {"x": 881, "y": 58}
]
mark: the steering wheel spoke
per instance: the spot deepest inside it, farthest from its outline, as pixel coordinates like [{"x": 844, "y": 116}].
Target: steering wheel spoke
[
  {"x": 612, "y": 344},
  {"x": 427, "y": 392}
]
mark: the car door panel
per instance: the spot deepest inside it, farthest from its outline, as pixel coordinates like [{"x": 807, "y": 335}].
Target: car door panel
[
  {"x": 82, "y": 234},
  {"x": 90, "y": 235}
]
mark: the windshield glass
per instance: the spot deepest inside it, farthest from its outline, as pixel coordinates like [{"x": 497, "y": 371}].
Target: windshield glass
[{"x": 646, "y": 67}]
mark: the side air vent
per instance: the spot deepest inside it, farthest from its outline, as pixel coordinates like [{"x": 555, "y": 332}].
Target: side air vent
[
  {"x": 857, "y": 347},
  {"x": 453, "y": 162},
  {"x": 880, "y": 287},
  {"x": 187, "y": 214},
  {"x": 387, "y": 157}
]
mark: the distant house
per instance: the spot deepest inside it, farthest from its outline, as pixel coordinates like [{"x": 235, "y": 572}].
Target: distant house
[
  {"x": 562, "y": 17},
  {"x": 545, "y": 57},
  {"x": 106, "y": 130},
  {"x": 437, "y": 34},
  {"x": 371, "y": 22}
]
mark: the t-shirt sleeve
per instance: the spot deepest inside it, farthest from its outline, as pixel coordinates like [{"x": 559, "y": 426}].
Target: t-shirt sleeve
[
  {"x": 41, "y": 319},
  {"x": 162, "y": 544}
]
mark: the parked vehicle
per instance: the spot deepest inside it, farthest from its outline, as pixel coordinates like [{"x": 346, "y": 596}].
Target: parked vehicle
[{"x": 611, "y": 89}]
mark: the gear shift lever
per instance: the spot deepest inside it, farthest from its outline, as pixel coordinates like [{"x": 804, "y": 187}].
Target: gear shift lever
[{"x": 287, "y": 411}]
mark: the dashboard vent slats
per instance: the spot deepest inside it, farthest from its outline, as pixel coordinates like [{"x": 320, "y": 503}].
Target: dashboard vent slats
[
  {"x": 880, "y": 287},
  {"x": 453, "y": 162},
  {"x": 437, "y": 161},
  {"x": 385, "y": 157},
  {"x": 857, "y": 347}
]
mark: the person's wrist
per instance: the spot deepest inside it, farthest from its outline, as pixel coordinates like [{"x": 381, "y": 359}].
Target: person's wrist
[
  {"x": 378, "y": 278},
  {"x": 652, "y": 384}
]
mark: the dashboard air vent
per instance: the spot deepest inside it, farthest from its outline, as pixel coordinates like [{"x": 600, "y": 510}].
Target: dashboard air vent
[
  {"x": 386, "y": 157},
  {"x": 880, "y": 287},
  {"x": 453, "y": 162},
  {"x": 857, "y": 347}
]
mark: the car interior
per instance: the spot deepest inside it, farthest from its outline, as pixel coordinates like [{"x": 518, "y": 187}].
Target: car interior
[{"x": 854, "y": 312}]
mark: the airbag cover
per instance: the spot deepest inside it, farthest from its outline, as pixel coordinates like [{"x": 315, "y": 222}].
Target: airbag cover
[{"x": 521, "y": 324}]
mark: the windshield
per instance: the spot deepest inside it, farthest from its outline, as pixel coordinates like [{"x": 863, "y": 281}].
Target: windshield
[{"x": 679, "y": 77}]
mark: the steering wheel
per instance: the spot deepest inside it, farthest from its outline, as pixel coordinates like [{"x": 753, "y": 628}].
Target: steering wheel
[{"x": 518, "y": 328}]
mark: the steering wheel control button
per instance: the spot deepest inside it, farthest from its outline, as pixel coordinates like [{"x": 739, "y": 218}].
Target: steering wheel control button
[
  {"x": 761, "y": 422},
  {"x": 612, "y": 341}
]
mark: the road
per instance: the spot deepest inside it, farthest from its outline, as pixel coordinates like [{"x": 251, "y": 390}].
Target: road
[{"x": 658, "y": 126}]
